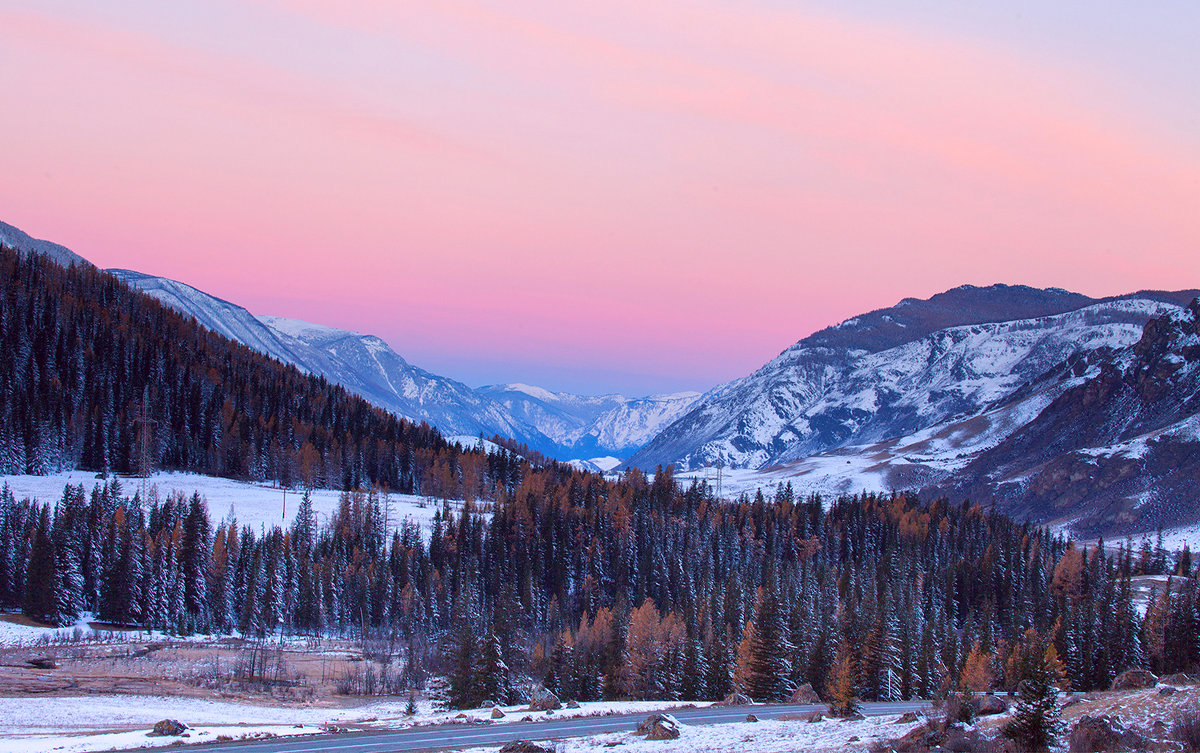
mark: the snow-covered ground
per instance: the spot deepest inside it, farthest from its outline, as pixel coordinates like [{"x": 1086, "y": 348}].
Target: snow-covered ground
[
  {"x": 747, "y": 737},
  {"x": 95, "y": 723},
  {"x": 256, "y": 505},
  {"x": 19, "y": 634}
]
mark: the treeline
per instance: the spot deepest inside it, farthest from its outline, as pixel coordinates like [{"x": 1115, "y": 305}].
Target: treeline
[
  {"x": 622, "y": 589},
  {"x": 99, "y": 376}
]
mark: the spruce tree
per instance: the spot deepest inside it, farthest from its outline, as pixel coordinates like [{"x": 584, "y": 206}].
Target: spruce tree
[
  {"x": 491, "y": 680},
  {"x": 1036, "y": 724},
  {"x": 768, "y": 667},
  {"x": 39, "y": 601}
]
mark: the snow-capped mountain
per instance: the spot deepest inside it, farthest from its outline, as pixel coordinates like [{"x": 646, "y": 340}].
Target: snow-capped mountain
[
  {"x": 895, "y": 372},
  {"x": 216, "y": 314},
  {"x": 1116, "y": 452},
  {"x": 592, "y": 426},
  {"x": 560, "y": 425},
  {"x": 363, "y": 364}
]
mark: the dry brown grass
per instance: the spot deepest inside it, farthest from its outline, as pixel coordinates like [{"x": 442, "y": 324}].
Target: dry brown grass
[{"x": 208, "y": 669}]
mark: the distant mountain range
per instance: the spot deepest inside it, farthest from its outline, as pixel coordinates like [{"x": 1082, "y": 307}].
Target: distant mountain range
[
  {"x": 1050, "y": 404},
  {"x": 561, "y": 425}
]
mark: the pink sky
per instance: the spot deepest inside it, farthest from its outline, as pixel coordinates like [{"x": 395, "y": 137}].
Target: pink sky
[{"x": 592, "y": 196}]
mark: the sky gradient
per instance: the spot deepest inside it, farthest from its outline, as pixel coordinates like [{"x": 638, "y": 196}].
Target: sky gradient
[{"x": 605, "y": 195}]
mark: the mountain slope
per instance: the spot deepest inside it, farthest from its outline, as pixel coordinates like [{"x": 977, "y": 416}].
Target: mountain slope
[
  {"x": 1116, "y": 452},
  {"x": 560, "y": 425},
  {"x": 894, "y": 372},
  {"x": 22, "y": 243},
  {"x": 591, "y": 426}
]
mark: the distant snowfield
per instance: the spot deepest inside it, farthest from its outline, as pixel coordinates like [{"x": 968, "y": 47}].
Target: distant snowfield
[
  {"x": 110, "y": 722},
  {"x": 260, "y": 506}
]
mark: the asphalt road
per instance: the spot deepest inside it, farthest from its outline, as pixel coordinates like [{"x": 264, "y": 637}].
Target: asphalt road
[{"x": 452, "y": 736}]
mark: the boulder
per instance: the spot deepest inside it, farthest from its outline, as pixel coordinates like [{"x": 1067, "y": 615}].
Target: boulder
[
  {"x": 908, "y": 717},
  {"x": 168, "y": 728},
  {"x": 992, "y": 704},
  {"x": 1094, "y": 734},
  {"x": 926, "y": 737},
  {"x": 572, "y": 704},
  {"x": 805, "y": 694},
  {"x": 42, "y": 662},
  {"x": 524, "y": 746},
  {"x": 751, "y": 718},
  {"x": 1168, "y": 690},
  {"x": 816, "y": 716},
  {"x": 961, "y": 740},
  {"x": 1180, "y": 678},
  {"x": 735, "y": 699},
  {"x": 659, "y": 727},
  {"x": 1134, "y": 679},
  {"x": 855, "y": 717},
  {"x": 543, "y": 700},
  {"x": 497, "y": 713}
]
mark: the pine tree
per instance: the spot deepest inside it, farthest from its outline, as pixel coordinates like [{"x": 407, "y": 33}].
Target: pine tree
[
  {"x": 491, "y": 680},
  {"x": 767, "y": 665},
  {"x": 39, "y": 601},
  {"x": 1036, "y": 724}
]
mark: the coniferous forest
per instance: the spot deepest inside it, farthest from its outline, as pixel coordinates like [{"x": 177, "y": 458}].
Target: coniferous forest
[{"x": 629, "y": 588}]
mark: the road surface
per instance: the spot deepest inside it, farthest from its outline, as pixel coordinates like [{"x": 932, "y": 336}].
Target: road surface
[{"x": 454, "y": 736}]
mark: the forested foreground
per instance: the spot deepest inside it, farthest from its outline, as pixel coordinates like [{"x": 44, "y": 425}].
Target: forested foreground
[{"x": 629, "y": 588}]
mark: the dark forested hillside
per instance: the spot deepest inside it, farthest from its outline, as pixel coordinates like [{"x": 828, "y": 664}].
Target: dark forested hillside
[{"x": 94, "y": 374}]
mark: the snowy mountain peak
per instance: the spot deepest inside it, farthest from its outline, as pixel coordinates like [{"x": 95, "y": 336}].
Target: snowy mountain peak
[{"x": 871, "y": 380}]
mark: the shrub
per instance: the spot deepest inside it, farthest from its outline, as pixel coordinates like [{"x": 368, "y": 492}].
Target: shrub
[{"x": 1186, "y": 729}]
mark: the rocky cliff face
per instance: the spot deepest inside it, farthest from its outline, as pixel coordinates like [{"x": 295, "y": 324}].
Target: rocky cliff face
[
  {"x": 1118, "y": 452},
  {"x": 895, "y": 372}
]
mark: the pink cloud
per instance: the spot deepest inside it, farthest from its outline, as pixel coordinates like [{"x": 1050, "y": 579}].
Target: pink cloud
[{"x": 693, "y": 183}]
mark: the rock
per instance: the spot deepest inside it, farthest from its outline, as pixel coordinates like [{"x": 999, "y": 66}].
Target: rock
[
  {"x": 805, "y": 694},
  {"x": 992, "y": 704},
  {"x": 1073, "y": 699},
  {"x": 908, "y": 717},
  {"x": 1093, "y": 734},
  {"x": 168, "y": 728},
  {"x": 543, "y": 700},
  {"x": 963, "y": 740},
  {"x": 926, "y": 737},
  {"x": 1134, "y": 679},
  {"x": 572, "y": 704},
  {"x": 1180, "y": 678},
  {"x": 816, "y": 716},
  {"x": 751, "y": 718},
  {"x": 524, "y": 746},
  {"x": 1168, "y": 690},
  {"x": 497, "y": 713},
  {"x": 853, "y": 739},
  {"x": 735, "y": 699},
  {"x": 663, "y": 731},
  {"x": 460, "y": 716},
  {"x": 42, "y": 662},
  {"x": 659, "y": 727}
]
